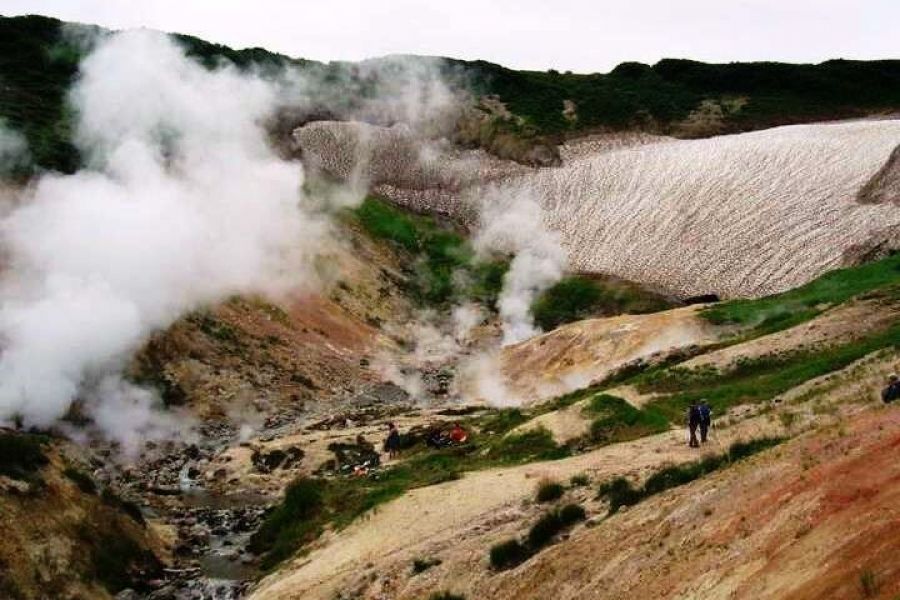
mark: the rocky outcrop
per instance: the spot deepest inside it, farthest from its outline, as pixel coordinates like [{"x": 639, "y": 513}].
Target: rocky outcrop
[{"x": 884, "y": 186}]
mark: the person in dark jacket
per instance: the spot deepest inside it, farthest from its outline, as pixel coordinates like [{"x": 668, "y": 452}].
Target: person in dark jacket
[
  {"x": 892, "y": 391},
  {"x": 392, "y": 443},
  {"x": 705, "y": 420},
  {"x": 693, "y": 421}
]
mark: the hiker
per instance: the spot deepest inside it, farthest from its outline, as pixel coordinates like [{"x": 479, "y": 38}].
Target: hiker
[
  {"x": 705, "y": 420},
  {"x": 892, "y": 391},
  {"x": 458, "y": 435},
  {"x": 693, "y": 421},
  {"x": 392, "y": 443}
]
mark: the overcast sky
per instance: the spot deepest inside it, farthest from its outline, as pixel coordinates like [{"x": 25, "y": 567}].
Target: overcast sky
[{"x": 578, "y": 35}]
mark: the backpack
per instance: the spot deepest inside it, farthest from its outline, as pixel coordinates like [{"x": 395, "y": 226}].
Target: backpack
[
  {"x": 694, "y": 414},
  {"x": 705, "y": 413}
]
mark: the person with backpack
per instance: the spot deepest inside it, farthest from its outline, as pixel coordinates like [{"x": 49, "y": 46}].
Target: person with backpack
[
  {"x": 705, "y": 420},
  {"x": 392, "y": 443},
  {"x": 892, "y": 391},
  {"x": 693, "y": 421}
]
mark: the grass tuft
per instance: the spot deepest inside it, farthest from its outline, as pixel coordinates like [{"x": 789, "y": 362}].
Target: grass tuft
[{"x": 548, "y": 491}]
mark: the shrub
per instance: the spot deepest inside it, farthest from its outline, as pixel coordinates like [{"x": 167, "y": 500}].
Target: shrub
[
  {"x": 536, "y": 444},
  {"x": 81, "y": 479},
  {"x": 420, "y": 565},
  {"x": 548, "y": 491},
  {"x": 508, "y": 554},
  {"x": 571, "y": 514},
  {"x": 292, "y": 523},
  {"x": 579, "y": 297},
  {"x": 21, "y": 455},
  {"x": 544, "y": 529},
  {"x": 619, "y": 492},
  {"x": 579, "y": 480},
  {"x": 569, "y": 300}
]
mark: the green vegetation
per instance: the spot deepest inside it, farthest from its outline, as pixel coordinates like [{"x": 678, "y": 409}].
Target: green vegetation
[
  {"x": 620, "y": 492},
  {"x": 755, "y": 380},
  {"x": 81, "y": 479},
  {"x": 444, "y": 265},
  {"x": 747, "y": 95},
  {"x": 293, "y": 523},
  {"x": 617, "y": 421},
  {"x": 548, "y": 491},
  {"x": 311, "y": 505},
  {"x": 508, "y": 554},
  {"x": 511, "y": 553},
  {"x": 21, "y": 455},
  {"x": 869, "y": 584},
  {"x": 774, "y": 313},
  {"x": 38, "y": 64},
  {"x": 579, "y": 297},
  {"x": 420, "y": 565}
]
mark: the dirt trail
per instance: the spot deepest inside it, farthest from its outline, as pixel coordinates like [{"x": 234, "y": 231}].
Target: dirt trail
[
  {"x": 574, "y": 355},
  {"x": 429, "y": 515}
]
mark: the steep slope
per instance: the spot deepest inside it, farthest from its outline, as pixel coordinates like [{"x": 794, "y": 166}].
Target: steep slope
[
  {"x": 810, "y": 519},
  {"x": 815, "y": 519},
  {"x": 578, "y": 354},
  {"x": 61, "y": 535}
]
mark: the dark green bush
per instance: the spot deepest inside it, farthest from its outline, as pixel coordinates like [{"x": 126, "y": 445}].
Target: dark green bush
[
  {"x": 292, "y": 523},
  {"x": 571, "y": 299},
  {"x": 619, "y": 492},
  {"x": 544, "y": 530},
  {"x": 548, "y": 491},
  {"x": 571, "y": 514},
  {"x": 420, "y": 565},
  {"x": 21, "y": 455},
  {"x": 508, "y": 554}
]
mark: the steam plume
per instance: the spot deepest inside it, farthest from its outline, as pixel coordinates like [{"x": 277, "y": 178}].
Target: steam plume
[
  {"x": 512, "y": 223},
  {"x": 183, "y": 203}
]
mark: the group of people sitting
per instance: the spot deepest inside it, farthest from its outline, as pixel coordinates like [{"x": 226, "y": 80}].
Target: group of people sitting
[{"x": 437, "y": 437}]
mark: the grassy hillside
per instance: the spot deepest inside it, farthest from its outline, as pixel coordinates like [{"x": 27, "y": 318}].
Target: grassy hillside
[{"x": 39, "y": 58}]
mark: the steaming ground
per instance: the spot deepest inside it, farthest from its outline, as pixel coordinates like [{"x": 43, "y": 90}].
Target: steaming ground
[
  {"x": 183, "y": 204},
  {"x": 738, "y": 215}
]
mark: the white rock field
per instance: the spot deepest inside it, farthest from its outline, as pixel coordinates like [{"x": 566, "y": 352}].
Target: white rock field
[{"x": 738, "y": 215}]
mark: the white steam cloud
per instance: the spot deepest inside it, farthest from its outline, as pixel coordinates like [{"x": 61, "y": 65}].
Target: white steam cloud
[
  {"x": 183, "y": 203},
  {"x": 512, "y": 223},
  {"x": 13, "y": 148}
]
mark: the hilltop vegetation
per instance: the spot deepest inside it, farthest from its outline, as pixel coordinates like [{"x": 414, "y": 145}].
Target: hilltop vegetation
[{"x": 39, "y": 59}]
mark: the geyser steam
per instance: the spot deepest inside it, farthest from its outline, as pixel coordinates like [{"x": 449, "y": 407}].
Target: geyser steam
[
  {"x": 183, "y": 203},
  {"x": 512, "y": 223}
]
